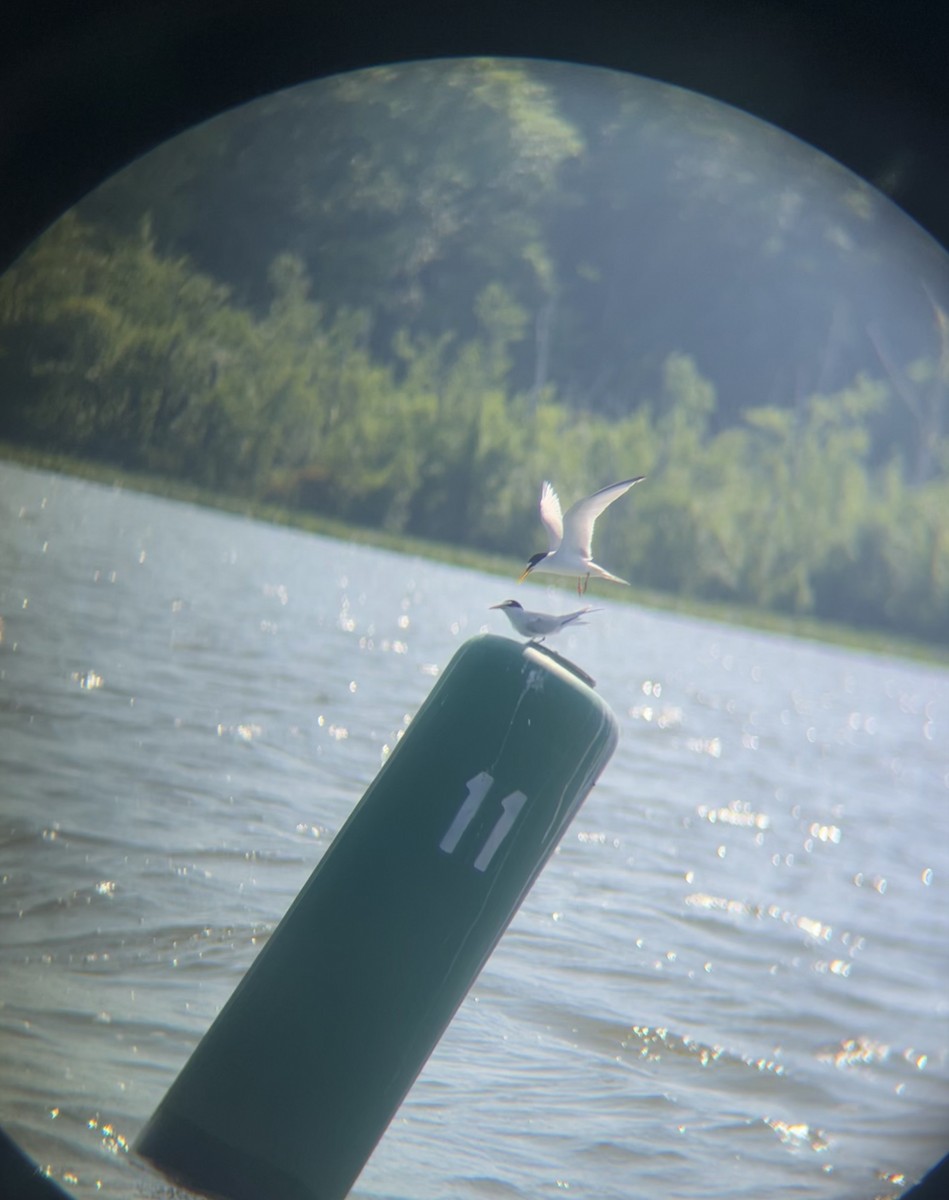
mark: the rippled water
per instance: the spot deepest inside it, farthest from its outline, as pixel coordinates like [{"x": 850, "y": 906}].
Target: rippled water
[{"x": 732, "y": 980}]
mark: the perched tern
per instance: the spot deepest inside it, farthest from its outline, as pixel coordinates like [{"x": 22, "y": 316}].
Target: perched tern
[
  {"x": 570, "y": 536},
  {"x": 537, "y": 625}
]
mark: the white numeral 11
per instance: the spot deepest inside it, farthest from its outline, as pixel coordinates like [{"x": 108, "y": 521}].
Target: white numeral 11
[{"x": 478, "y": 788}]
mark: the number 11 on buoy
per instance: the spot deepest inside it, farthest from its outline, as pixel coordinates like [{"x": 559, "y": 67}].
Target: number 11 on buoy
[
  {"x": 478, "y": 788},
  {"x": 300, "y": 1074}
]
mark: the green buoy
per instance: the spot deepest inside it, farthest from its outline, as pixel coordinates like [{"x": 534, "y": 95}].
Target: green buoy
[{"x": 298, "y": 1077}]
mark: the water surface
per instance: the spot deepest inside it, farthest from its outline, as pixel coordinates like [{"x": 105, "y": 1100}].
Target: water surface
[{"x": 732, "y": 980}]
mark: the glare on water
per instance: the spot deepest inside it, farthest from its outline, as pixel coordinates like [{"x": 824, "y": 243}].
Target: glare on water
[{"x": 731, "y": 980}]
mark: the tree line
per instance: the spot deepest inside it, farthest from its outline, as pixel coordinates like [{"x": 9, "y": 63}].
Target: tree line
[
  {"x": 114, "y": 350},
  {"x": 627, "y": 220}
]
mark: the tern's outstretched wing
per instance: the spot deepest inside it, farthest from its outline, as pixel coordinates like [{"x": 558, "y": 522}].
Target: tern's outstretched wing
[
  {"x": 551, "y": 516},
  {"x": 581, "y": 517}
]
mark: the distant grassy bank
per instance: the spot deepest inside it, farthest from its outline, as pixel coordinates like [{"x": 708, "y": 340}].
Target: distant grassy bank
[{"x": 809, "y": 628}]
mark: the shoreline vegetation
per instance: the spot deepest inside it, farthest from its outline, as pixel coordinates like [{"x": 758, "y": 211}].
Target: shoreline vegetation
[
  {"x": 807, "y": 628},
  {"x": 317, "y": 305}
]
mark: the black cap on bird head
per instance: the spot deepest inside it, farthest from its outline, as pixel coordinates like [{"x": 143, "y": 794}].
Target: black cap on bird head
[{"x": 532, "y": 563}]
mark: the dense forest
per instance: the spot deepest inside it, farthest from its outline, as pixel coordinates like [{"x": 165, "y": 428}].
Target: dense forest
[{"x": 404, "y": 297}]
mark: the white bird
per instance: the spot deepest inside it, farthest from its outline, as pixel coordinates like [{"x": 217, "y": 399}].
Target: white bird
[
  {"x": 538, "y": 625},
  {"x": 570, "y": 537}
]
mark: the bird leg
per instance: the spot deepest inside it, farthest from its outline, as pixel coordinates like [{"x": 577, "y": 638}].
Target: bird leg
[{"x": 582, "y": 584}]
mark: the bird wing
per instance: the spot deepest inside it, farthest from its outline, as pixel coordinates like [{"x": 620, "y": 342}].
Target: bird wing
[
  {"x": 581, "y": 517},
  {"x": 574, "y": 617},
  {"x": 551, "y": 515},
  {"x": 539, "y": 624}
]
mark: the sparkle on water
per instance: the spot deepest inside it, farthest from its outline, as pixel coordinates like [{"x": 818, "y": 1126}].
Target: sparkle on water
[{"x": 731, "y": 980}]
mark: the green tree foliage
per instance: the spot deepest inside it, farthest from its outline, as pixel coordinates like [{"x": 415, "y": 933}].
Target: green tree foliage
[
  {"x": 404, "y": 189},
  {"x": 130, "y": 357},
  {"x": 627, "y": 220},
  {"x": 420, "y": 310}
]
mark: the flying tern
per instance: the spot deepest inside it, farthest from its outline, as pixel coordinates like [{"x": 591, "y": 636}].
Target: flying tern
[
  {"x": 570, "y": 536},
  {"x": 538, "y": 625}
]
